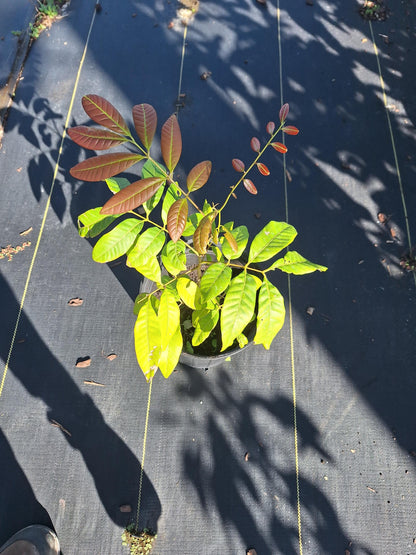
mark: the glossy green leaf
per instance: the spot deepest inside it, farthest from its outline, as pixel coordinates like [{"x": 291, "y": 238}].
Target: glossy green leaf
[
  {"x": 153, "y": 169},
  {"x": 115, "y": 184},
  {"x": 204, "y": 321},
  {"x": 187, "y": 290},
  {"x": 242, "y": 340},
  {"x": 103, "y": 112},
  {"x": 147, "y": 340},
  {"x": 169, "y": 317},
  {"x": 169, "y": 357},
  {"x": 214, "y": 281},
  {"x": 172, "y": 195},
  {"x": 241, "y": 236},
  {"x": 171, "y": 142},
  {"x": 173, "y": 257},
  {"x": 170, "y": 284},
  {"x": 145, "y": 122},
  {"x": 295, "y": 263},
  {"x": 95, "y": 139},
  {"x": 138, "y": 302},
  {"x": 150, "y": 270},
  {"x": 198, "y": 176},
  {"x": 274, "y": 237},
  {"x": 91, "y": 223},
  {"x": 148, "y": 245},
  {"x": 270, "y": 314},
  {"x": 103, "y": 166},
  {"x": 238, "y": 307},
  {"x": 132, "y": 196},
  {"x": 176, "y": 219},
  {"x": 118, "y": 241}
]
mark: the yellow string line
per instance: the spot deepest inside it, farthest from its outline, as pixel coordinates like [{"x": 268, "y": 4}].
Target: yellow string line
[
  {"x": 48, "y": 203},
  {"x": 292, "y": 343},
  {"x": 393, "y": 142},
  {"x": 181, "y": 69},
  {"x": 146, "y": 425}
]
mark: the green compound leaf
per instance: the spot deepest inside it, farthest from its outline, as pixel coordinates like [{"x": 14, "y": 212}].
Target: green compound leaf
[
  {"x": 192, "y": 223},
  {"x": 174, "y": 258},
  {"x": 91, "y": 223},
  {"x": 187, "y": 290},
  {"x": 270, "y": 315},
  {"x": 238, "y": 307},
  {"x": 169, "y": 357},
  {"x": 118, "y": 241},
  {"x": 148, "y": 245},
  {"x": 115, "y": 184},
  {"x": 295, "y": 263},
  {"x": 147, "y": 340},
  {"x": 204, "y": 321},
  {"x": 241, "y": 236},
  {"x": 274, "y": 237},
  {"x": 150, "y": 270},
  {"x": 169, "y": 317},
  {"x": 214, "y": 281}
]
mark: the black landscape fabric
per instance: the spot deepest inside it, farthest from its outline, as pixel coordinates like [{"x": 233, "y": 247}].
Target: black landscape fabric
[{"x": 309, "y": 447}]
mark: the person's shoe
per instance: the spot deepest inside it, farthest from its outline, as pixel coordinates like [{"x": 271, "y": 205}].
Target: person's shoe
[{"x": 33, "y": 540}]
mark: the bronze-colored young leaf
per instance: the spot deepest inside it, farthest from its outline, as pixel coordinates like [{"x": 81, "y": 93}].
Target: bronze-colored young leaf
[
  {"x": 103, "y": 112},
  {"x": 95, "y": 139},
  {"x": 171, "y": 142},
  {"x": 101, "y": 167},
  {"x": 177, "y": 216},
  {"x": 263, "y": 169},
  {"x": 132, "y": 196},
  {"x": 270, "y": 127},
  {"x": 249, "y": 185},
  {"x": 238, "y": 165},
  {"x": 280, "y": 147},
  {"x": 284, "y": 110},
  {"x": 255, "y": 144},
  {"x": 198, "y": 176},
  {"x": 202, "y": 234},
  {"x": 231, "y": 241},
  {"x": 290, "y": 130},
  {"x": 145, "y": 122}
]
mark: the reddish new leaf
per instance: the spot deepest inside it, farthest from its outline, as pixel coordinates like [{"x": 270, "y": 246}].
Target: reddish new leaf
[
  {"x": 198, "y": 176},
  {"x": 264, "y": 170},
  {"x": 231, "y": 241},
  {"x": 202, "y": 234},
  {"x": 95, "y": 139},
  {"x": 279, "y": 147},
  {"x": 171, "y": 142},
  {"x": 249, "y": 185},
  {"x": 284, "y": 110},
  {"x": 104, "y": 166},
  {"x": 145, "y": 121},
  {"x": 290, "y": 130},
  {"x": 238, "y": 165},
  {"x": 104, "y": 113},
  {"x": 255, "y": 144},
  {"x": 270, "y": 127},
  {"x": 176, "y": 220},
  {"x": 132, "y": 196}
]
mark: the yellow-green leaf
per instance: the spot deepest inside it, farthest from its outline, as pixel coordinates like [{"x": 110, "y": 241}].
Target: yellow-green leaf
[
  {"x": 169, "y": 317},
  {"x": 169, "y": 357},
  {"x": 295, "y": 263},
  {"x": 117, "y": 242},
  {"x": 270, "y": 315},
  {"x": 147, "y": 340},
  {"x": 187, "y": 290}
]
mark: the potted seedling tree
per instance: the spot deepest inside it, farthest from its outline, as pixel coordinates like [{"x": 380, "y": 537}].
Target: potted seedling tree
[{"x": 211, "y": 290}]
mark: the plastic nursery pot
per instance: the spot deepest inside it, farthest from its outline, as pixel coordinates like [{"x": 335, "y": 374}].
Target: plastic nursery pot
[{"x": 191, "y": 359}]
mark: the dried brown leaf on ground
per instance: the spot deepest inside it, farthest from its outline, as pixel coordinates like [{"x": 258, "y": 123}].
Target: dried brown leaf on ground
[{"x": 83, "y": 362}]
